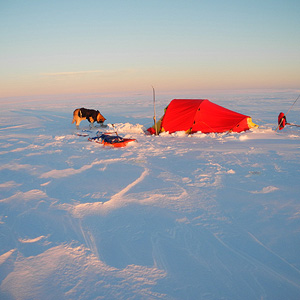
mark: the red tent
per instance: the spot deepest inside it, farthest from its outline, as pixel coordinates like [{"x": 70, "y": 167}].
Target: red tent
[{"x": 201, "y": 115}]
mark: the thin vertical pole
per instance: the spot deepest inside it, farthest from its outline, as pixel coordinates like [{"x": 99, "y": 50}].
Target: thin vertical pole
[{"x": 154, "y": 118}]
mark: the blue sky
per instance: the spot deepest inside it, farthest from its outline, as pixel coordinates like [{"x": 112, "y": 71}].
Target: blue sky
[{"x": 52, "y": 47}]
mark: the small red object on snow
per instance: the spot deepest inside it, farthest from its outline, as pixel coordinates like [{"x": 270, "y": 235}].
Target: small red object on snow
[{"x": 281, "y": 120}]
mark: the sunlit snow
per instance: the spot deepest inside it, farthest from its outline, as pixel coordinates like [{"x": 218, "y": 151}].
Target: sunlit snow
[{"x": 202, "y": 216}]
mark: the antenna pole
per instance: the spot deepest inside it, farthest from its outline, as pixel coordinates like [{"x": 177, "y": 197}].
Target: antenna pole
[
  {"x": 154, "y": 118},
  {"x": 293, "y": 104}
]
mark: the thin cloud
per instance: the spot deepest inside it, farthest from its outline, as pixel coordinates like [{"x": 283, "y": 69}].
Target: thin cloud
[
  {"x": 72, "y": 73},
  {"x": 266, "y": 190}
]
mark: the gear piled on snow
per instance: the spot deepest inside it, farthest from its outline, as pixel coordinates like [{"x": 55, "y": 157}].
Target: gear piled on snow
[
  {"x": 111, "y": 140},
  {"x": 281, "y": 121},
  {"x": 191, "y": 115}
]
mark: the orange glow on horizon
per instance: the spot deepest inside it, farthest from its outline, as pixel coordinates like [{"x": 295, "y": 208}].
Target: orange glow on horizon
[{"x": 86, "y": 82}]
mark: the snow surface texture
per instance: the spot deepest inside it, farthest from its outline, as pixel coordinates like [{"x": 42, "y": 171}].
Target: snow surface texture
[{"x": 169, "y": 217}]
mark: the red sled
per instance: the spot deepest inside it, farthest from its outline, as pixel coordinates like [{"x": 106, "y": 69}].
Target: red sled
[{"x": 111, "y": 140}]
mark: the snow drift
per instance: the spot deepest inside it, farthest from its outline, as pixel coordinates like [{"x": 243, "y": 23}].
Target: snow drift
[{"x": 174, "y": 216}]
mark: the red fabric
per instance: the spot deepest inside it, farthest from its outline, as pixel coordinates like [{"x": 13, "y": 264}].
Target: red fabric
[
  {"x": 151, "y": 130},
  {"x": 202, "y": 115},
  {"x": 281, "y": 120}
]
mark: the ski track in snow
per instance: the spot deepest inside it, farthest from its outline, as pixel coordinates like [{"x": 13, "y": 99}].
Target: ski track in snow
[{"x": 169, "y": 217}]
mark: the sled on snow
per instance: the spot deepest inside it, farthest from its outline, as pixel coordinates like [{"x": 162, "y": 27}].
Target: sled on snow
[{"x": 111, "y": 140}]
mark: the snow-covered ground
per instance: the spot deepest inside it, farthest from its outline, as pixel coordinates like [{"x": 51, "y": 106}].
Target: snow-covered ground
[{"x": 169, "y": 217}]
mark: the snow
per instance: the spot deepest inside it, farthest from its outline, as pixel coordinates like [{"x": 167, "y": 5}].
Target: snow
[{"x": 202, "y": 216}]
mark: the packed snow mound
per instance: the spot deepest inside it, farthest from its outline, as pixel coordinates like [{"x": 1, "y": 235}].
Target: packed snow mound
[{"x": 127, "y": 128}]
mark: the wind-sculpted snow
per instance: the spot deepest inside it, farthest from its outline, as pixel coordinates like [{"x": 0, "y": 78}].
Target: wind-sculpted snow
[
  {"x": 64, "y": 271},
  {"x": 118, "y": 200},
  {"x": 71, "y": 171},
  {"x": 202, "y": 216}
]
